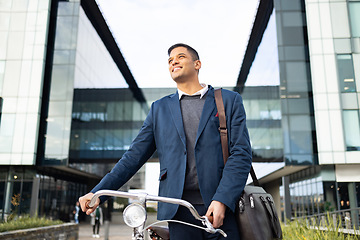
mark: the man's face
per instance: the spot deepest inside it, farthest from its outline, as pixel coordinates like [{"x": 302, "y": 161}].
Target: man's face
[{"x": 181, "y": 64}]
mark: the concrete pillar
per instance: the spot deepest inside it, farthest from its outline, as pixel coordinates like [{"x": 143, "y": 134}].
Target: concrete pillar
[
  {"x": 34, "y": 203},
  {"x": 353, "y": 204},
  {"x": 287, "y": 199},
  {"x": 8, "y": 192}
]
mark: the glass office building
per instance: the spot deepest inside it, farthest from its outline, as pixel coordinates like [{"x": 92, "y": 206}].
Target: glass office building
[
  {"x": 318, "y": 53},
  {"x": 68, "y": 114},
  {"x": 318, "y": 45}
]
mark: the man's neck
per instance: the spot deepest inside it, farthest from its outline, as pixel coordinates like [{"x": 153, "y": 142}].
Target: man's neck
[{"x": 189, "y": 87}]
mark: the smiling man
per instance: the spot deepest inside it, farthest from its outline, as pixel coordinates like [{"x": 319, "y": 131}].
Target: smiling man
[{"x": 184, "y": 129}]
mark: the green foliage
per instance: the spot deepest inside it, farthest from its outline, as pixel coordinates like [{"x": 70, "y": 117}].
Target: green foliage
[
  {"x": 15, "y": 201},
  {"x": 25, "y": 222},
  {"x": 301, "y": 230}
]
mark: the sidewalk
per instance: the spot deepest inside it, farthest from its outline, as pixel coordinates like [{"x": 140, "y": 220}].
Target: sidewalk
[{"x": 118, "y": 230}]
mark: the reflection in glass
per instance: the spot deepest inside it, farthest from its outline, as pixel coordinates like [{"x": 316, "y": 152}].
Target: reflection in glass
[
  {"x": 307, "y": 197},
  {"x": 346, "y": 72},
  {"x": 296, "y": 76},
  {"x": 300, "y": 142}
]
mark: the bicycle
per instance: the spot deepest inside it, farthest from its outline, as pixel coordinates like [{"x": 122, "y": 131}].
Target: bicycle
[{"x": 135, "y": 214}]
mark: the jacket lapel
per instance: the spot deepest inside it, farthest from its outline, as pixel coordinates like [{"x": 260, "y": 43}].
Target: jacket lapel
[
  {"x": 209, "y": 107},
  {"x": 174, "y": 106}
]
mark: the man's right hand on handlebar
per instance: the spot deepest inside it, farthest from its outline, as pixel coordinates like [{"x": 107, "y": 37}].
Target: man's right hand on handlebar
[{"x": 84, "y": 201}]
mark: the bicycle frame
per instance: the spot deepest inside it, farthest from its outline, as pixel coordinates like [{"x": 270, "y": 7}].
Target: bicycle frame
[{"x": 142, "y": 198}]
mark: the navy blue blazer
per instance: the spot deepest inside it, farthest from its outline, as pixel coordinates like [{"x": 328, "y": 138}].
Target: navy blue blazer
[{"x": 163, "y": 131}]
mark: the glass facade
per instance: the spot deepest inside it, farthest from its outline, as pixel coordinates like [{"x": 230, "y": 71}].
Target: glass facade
[
  {"x": 18, "y": 185},
  {"x": 295, "y": 84},
  {"x": 93, "y": 116},
  {"x": 105, "y": 121},
  {"x": 62, "y": 84},
  {"x": 44, "y": 55},
  {"x": 263, "y": 119},
  {"x": 74, "y": 66},
  {"x": 312, "y": 191},
  {"x": 23, "y": 40},
  {"x": 56, "y": 197},
  {"x": 307, "y": 197},
  {"x": 318, "y": 195}
]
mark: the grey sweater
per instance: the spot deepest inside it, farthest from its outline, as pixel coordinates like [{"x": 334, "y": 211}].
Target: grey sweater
[{"x": 191, "y": 109}]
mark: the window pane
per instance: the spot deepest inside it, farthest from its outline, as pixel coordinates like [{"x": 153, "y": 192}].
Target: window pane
[
  {"x": 301, "y": 143},
  {"x": 354, "y": 10},
  {"x": 346, "y": 73},
  {"x": 296, "y": 76},
  {"x": 352, "y": 129}
]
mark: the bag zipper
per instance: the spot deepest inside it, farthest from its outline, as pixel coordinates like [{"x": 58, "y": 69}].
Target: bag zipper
[{"x": 252, "y": 205}]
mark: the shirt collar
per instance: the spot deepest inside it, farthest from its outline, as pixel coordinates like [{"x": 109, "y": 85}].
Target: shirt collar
[{"x": 201, "y": 92}]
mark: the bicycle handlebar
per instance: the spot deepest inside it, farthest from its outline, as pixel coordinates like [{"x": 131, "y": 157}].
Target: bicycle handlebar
[{"x": 146, "y": 197}]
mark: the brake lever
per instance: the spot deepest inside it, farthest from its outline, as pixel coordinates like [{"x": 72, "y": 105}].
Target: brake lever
[{"x": 210, "y": 228}]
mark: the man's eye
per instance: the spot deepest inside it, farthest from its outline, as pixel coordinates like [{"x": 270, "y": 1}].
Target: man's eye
[{"x": 170, "y": 61}]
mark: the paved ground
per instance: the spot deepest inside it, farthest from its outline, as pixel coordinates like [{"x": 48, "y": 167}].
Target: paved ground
[{"x": 117, "y": 229}]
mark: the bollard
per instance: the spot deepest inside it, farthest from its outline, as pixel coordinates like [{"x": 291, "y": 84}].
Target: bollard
[
  {"x": 107, "y": 226},
  {"x": 323, "y": 221},
  {"x": 335, "y": 222},
  {"x": 313, "y": 222},
  {"x": 347, "y": 220}
]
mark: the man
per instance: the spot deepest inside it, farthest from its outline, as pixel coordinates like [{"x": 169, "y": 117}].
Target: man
[{"x": 184, "y": 129}]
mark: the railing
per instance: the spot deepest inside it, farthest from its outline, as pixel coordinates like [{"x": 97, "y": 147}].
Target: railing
[{"x": 346, "y": 221}]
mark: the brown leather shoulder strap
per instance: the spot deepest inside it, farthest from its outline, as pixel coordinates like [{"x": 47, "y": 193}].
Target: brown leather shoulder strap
[
  {"x": 223, "y": 132},
  {"x": 222, "y": 120}
]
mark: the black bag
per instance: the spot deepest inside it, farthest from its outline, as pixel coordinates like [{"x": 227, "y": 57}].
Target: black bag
[{"x": 255, "y": 214}]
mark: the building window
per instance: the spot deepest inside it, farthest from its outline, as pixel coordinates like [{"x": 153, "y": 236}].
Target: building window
[
  {"x": 346, "y": 73},
  {"x": 352, "y": 129},
  {"x": 354, "y": 9}
]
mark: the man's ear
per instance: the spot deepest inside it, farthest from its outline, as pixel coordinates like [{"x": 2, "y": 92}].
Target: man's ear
[{"x": 197, "y": 64}]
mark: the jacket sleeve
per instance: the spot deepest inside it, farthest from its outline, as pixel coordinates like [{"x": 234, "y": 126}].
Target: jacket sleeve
[
  {"x": 237, "y": 167},
  {"x": 140, "y": 150}
]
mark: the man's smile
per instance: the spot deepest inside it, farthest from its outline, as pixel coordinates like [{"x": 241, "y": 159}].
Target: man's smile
[{"x": 176, "y": 68}]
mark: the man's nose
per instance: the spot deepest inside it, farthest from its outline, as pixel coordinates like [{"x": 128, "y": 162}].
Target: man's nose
[{"x": 175, "y": 61}]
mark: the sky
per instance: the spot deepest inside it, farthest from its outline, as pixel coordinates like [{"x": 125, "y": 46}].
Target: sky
[{"x": 218, "y": 30}]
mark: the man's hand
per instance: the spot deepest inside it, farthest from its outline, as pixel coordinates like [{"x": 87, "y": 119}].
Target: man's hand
[
  {"x": 216, "y": 213},
  {"x": 86, "y": 199}
]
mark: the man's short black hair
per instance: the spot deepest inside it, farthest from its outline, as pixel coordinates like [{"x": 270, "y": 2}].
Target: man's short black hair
[{"x": 192, "y": 51}]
